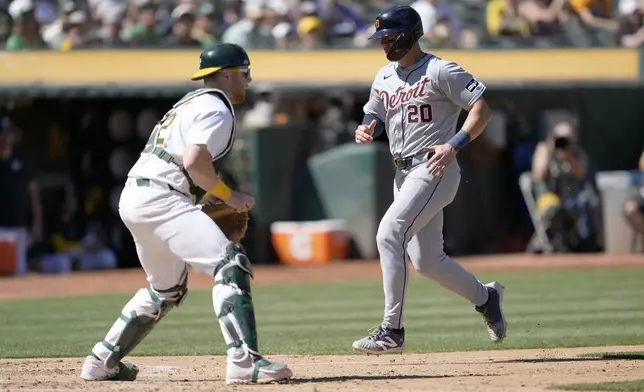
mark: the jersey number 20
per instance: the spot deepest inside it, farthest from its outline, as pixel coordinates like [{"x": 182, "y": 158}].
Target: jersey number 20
[
  {"x": 160, "y": 132},
  {"x": 419, "y": 113}
]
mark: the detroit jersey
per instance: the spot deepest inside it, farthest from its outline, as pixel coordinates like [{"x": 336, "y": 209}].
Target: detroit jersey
[
  {"x": 204, "y": 116},
  {"x": 420, "y": 104}
]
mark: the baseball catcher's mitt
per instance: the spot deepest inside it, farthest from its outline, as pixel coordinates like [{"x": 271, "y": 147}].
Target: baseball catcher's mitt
[{"x": 232, "y": 223}]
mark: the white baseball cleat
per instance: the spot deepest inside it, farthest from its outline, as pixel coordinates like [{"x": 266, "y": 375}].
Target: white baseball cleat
[
  {"x": 254, "y": 369},
  {"x": 95, "y": 370}
]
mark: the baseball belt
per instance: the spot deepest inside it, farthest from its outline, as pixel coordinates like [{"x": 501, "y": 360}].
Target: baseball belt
[
  {"x": 403, "y": 163},
  {"x": 147, "y": 183}
]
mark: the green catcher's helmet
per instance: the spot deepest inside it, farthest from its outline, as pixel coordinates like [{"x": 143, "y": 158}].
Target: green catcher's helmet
[{"x": 219, "y": 57}]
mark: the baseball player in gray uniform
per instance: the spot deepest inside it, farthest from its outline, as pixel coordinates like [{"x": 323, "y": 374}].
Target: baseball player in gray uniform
[{"x": 417, "y": 99}]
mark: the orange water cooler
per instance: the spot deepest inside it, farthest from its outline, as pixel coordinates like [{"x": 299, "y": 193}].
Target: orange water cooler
[
  {"x": 314, "y": 242},
  {"x": 8, "y": 254}
]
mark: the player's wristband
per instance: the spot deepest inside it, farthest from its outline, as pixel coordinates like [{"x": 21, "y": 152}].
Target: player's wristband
[
  {"x": 460, "y": 140},
  {"x": 221, "y": 191}
]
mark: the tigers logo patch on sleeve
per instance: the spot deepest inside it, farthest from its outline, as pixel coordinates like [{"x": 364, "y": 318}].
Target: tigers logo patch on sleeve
[{"x": 472, "y": 85}]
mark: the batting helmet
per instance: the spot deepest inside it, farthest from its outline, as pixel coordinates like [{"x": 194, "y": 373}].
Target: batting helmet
[
  {"x": 219, "y": 57},
  {"x": 403, "y": 23}
]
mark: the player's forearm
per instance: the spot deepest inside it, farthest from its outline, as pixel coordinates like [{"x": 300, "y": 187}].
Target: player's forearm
[
  {"x": 476, "y": 121},
  {"x": 198, "y": 164},
  {"x": 477, "y": 118}
]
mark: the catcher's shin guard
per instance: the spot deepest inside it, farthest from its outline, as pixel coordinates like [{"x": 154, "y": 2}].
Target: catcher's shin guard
[
  {"x": 232, "y": 299},
  {"x": 138, "y": 318}
]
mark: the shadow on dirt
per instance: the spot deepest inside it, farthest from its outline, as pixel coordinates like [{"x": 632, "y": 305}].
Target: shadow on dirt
[
  {"x": 590, "y": 358},
  {"x": 379, "y": 378}
]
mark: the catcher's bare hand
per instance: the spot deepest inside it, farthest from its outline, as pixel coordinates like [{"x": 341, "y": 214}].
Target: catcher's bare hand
[
  {"x": 241, "y": 202},
  {"x": 364, "y": 133}
]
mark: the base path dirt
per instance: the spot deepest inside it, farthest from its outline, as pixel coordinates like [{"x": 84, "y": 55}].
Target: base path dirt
[
  {"x": 127, "y": 281},
  {"x": 479, "y": 371}
]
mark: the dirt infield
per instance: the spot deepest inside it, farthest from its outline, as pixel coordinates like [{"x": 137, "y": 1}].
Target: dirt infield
[{"x": 506, "y": 370}]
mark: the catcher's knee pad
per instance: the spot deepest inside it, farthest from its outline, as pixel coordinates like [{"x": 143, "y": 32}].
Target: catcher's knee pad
[
  {"x": 232, "y": 299},
  {"x": 137, "y": 319}
]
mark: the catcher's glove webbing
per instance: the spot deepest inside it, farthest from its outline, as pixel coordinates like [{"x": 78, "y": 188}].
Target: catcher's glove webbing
[{"x": 232, "y": 223}]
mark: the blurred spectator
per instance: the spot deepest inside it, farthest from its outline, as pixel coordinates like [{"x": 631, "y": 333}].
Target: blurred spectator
[
  {"x": 261, "y": 114},
  {"x": 565, "y": 198},
  {"x": 144, "y": 33},
  {"x": 204, "y": 28},
  {"x": 634, "y": 207},
  {"x": 5, "y": 25},
  {"x": 252, "y": 31},
  {"x": 311, "y": 32},
  {"x": 631, "y": 27},
  {"x": 468, "y": 38},
  {"x": 183, "y": 19},
  {"x": 545, "y": 19},
  {"x": 20, "y": 199},
  {"x": 526, "y": 23},
  {"x": 504, "y": 20},
  {"x": 593, "y": 23},
  {"x": 336, "y": 124},
  {"x": 341, "y": 18},
  {"x": 441, "y": 24},
  {"x": 75, "y": 244},
  {"x": 25, "y": 34},
  {"x": 111, "y": 28},
  {"x": 77, "y": 32}
]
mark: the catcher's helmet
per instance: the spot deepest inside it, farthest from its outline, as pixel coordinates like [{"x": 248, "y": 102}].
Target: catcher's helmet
[
  {"x": 219, "y": 57},
  {"x": 402, "y": 22}
]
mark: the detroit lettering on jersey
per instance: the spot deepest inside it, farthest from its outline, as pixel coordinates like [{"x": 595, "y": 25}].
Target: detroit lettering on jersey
[
  {"x": 404, "y": 95},
  {"x": 420, "y": 104}
]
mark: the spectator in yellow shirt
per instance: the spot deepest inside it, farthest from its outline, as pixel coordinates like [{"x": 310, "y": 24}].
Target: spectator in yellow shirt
[
  {"x": 503, "y": 19},
  {"x": 595, "y": 13}
]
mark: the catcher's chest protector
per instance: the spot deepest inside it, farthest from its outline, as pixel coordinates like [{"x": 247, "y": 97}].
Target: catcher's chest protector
[{"x": 219, "y": 159}]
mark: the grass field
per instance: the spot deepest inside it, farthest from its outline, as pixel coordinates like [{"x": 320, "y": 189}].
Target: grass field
[
  {"x": 545, "y": 309},
  {"x": 636, "y": 385},
  {"x": 576, "y": 328}
]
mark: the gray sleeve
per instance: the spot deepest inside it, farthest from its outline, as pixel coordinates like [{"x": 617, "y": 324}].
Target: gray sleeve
[
  {"x": 380, "y": 125},
  {"x": 374, "y": 105},
  {"x": 459, "y": 85}
]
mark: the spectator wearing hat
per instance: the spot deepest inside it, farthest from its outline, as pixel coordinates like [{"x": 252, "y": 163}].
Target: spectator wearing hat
[
  {"x": 78, "y": 32},
  {"x": 311, "y": 31},
  {"x": 183, "y": 19},
  {"x": 21, "y": 215},
  {"x": 25, "y": 34}
]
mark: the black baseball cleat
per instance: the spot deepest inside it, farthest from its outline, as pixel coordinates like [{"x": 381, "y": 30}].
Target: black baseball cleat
[{"x": 492, "y": 312}]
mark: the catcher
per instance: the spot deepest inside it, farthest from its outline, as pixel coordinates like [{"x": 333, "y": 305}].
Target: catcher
[{"x": 170, "y": 230}]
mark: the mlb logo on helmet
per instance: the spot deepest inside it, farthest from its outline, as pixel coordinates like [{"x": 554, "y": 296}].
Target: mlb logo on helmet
[{"x": 377, "y": 23}]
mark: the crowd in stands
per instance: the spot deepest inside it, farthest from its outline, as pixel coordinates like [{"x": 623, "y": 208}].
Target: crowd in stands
[{"x": 313, "y": 24}]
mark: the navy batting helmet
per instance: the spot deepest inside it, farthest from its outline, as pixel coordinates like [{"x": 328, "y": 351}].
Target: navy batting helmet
[{"x": 403, "y": 23}]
